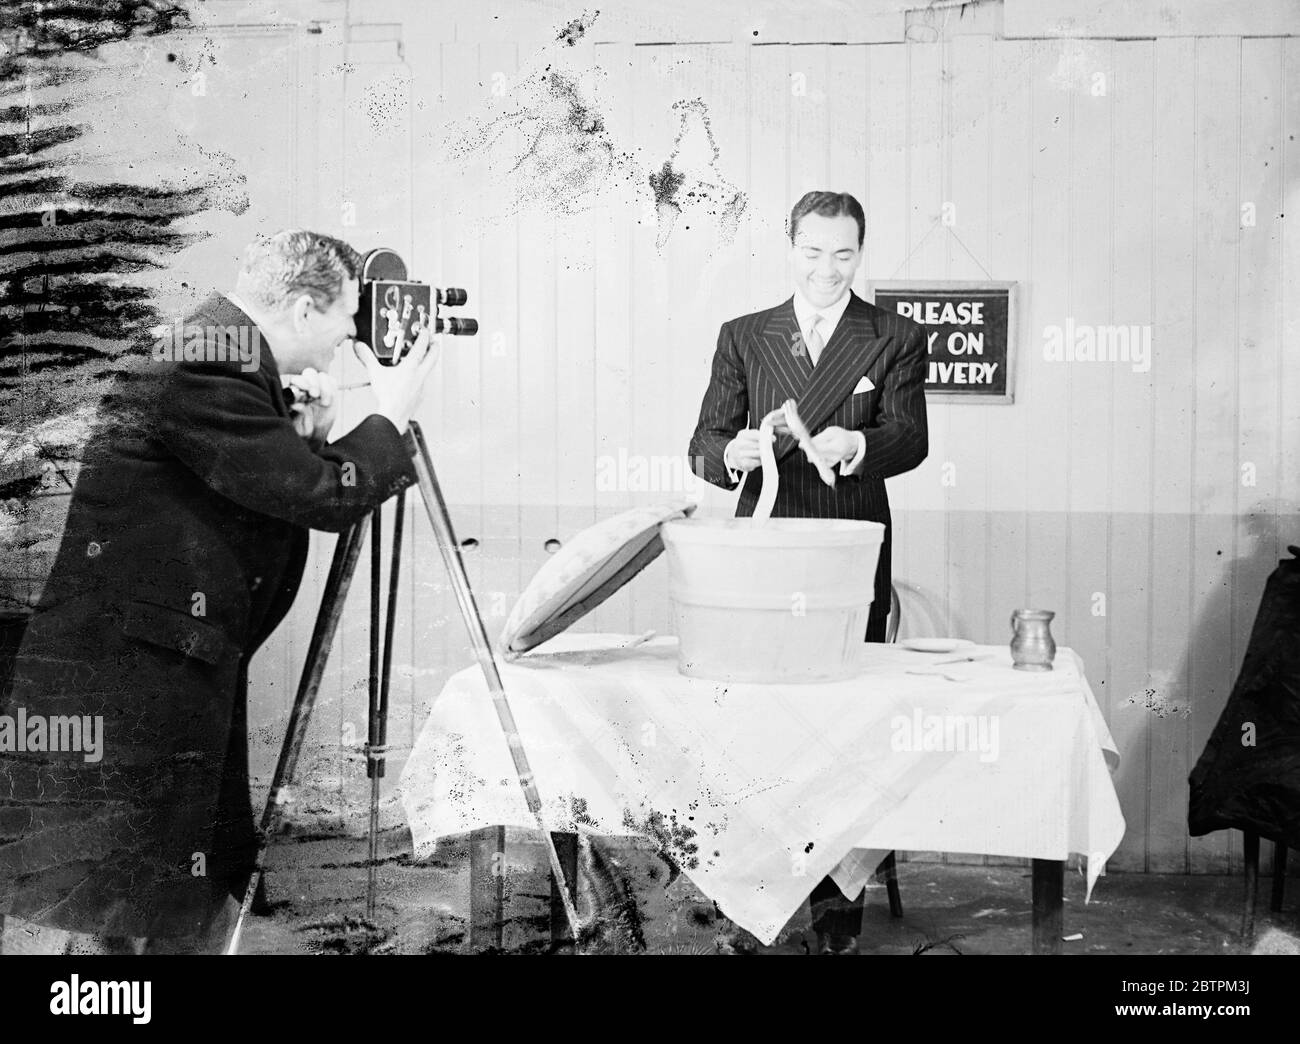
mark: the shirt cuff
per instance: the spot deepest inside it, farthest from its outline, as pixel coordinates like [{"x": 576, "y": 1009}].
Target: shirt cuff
[
  {"x": 847, "y": 467},
  {"x": 732, "y": 473}
]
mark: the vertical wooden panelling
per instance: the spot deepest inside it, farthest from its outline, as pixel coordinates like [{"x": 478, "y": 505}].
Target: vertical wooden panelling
[
  {"x": 616, "y": 214},
  {"x": 669, "y": 257},
  {"x": 1006, "y": 488},
  {"x": 708, "y": 274},
  {"x": 964, "y": 217},
  {"x": 1089, "y": 414},
  {"x": 457, "y": 452},
  {"x": 438, "y": 641},
  {"x": 847, "y": 115},
  {"x": 1047, "y": 450},
  {"x": 887, "y": 122},
  {"x": 769, "y": 160},
  {"x": 1131, "y": 84},
  {"x": 687, "y": 258},
  {"x": 541, "y": 397},
  {"x": 810, "y": 128},
  {"x": 1169, "y": 611},
  {"x": 1287, "y": 433},
  {"x": 1040, "y": 451},
  {"x": 1215, "y": 478},
  {"x": 1288, "y": 436},
  {"x": 575, "y": 347},
  {"x": 438, "y": 644},
  {"x": 575, "y": 373},
  {"x": 659, "y": 129},
  {"x": 1008, "y": 483},
  {"x": 499, "y": 347},
  {"x": 1260, "y": 293},
  {"x": 965, "y": 222},
  {"x": 1288, "y": 426},
  {"x": 925, "y": 519},
  {"x": 724, "y": 291},
  {"x": 886, "y": 252},
  {"x": 967, "y": 256}
]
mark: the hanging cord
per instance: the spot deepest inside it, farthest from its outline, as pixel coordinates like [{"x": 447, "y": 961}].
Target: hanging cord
[
  {"x": 954, "y": 235},
  {"x": 969, "y": 254},
  {"x": 914, "y": 249}
]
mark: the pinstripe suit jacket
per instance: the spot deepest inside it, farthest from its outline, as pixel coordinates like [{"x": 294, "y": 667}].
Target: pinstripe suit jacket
[{"x": 760, "y": 362}]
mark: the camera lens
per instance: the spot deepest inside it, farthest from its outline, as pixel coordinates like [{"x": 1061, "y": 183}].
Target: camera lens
[{"x": 456, "y": 327}]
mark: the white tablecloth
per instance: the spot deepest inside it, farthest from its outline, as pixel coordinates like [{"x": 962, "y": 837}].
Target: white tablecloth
[{"x": 758, "y": 791}]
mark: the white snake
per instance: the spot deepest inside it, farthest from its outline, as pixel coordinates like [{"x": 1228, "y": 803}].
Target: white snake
[
  {"x": 788, "y": 415},
  {"x": 767, "y": 495}
]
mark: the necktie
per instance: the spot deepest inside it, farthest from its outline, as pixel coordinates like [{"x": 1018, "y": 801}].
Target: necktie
[{"x": 815, "y": 342}]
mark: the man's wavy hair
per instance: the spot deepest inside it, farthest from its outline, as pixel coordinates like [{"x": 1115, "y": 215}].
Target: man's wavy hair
[
  {"x": 282, "y": 267},
  {"x": 828, "y": 204}
]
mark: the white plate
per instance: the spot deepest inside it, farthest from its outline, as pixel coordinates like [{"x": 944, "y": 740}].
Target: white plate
[{"x": 936, "y": 645}]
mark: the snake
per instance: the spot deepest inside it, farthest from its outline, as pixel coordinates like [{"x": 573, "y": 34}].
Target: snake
[
  {"x": 788, "y": 415},
  {"x": 767, "y": 458}
]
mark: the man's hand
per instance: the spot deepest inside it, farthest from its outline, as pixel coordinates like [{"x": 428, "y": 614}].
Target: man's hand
[
  {"x": 399, "y": 388},
  {"x": 315, "y": 413},
  {"x": 836, "y": 445},
  {"x": 741, "y": 453}
]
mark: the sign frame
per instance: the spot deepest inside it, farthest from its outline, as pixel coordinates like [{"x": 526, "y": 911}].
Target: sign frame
[{"x": 957, "y": 285}]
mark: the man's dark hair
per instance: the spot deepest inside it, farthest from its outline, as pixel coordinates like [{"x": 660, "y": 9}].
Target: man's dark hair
[
  {"x": 282, "y": 267},
  {"x": 828, "y": 204}
]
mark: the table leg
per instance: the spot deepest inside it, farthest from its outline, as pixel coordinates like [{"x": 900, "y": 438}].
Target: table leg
[
  {"x": 1049, "y": 893},
  {"x": 487, "y": 848},
  {"x": 487, "y": 861},
  {"x": 566, "y": 847},
  {"x": 888, "y": 869},
  {"x": 1250, "y": 847}
]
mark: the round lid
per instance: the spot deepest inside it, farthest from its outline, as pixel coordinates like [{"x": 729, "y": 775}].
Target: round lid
[{"x": 585, "y": 571}]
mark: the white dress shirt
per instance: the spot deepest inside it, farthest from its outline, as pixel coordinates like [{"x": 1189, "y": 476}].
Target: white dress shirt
[{"x": 805, "y": 314}]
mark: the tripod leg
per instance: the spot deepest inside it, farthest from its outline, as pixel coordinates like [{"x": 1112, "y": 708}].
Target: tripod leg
[
  {"x": 440, "y": 520},
  {"x": 342, "y": 567},
  {"x": 372, "y": 715},
  {"x": 567, "y": 846},
  {"x": 382, "y": 673},
  {"x": 394, "y": 571}
]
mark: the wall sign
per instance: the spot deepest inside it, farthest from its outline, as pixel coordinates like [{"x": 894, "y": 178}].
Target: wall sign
[{"x": 970, "y": 334}]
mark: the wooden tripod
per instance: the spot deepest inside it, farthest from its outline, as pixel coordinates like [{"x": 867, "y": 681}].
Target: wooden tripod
[{"x": 342, "y": 568}]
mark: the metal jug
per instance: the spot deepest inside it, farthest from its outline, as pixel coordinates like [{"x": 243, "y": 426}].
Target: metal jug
[{"x": 1032, "y": 647}]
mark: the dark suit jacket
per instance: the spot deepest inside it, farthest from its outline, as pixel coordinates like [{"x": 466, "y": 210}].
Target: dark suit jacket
[
  {"x": 184, "y": 546},
  {"x": 760, "y": 362}
]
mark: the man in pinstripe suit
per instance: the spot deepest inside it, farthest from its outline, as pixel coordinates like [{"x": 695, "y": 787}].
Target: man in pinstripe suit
[{"x": 857, "y": 373}]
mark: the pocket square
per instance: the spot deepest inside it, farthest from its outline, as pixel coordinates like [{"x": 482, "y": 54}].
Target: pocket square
[{"x": 863, "y": 385}]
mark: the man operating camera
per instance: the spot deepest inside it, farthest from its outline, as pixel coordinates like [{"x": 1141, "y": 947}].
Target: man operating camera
[{"x": 183, "y": 549}]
